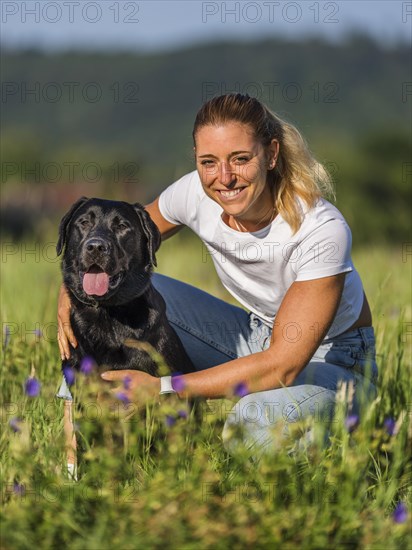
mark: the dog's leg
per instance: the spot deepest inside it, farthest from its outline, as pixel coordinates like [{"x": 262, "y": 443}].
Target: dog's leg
[{"x": 70, "y": 438}]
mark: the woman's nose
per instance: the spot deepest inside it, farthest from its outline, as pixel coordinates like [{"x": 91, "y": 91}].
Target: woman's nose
[{"x": 225, "y": 173}]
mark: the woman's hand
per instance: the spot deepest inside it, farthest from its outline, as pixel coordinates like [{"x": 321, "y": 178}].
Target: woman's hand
[
  {"x": 135, "y": 386},
  {"x": 65, "y": 333}
]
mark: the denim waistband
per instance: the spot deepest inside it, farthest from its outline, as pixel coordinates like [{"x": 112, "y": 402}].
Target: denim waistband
[
  {"x": 354, "y": 349},
  {"x": 366, "y": 334},
  {"x": 256, "y": 321}
]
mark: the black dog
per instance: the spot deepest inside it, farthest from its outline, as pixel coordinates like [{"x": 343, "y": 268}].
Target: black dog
[{"x": 109, "y": 254}]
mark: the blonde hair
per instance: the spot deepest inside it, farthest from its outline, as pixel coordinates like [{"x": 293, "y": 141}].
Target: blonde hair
[{"x": 297, "y": 172}]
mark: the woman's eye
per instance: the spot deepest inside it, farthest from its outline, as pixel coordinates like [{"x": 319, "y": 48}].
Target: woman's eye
[
  {"x": 241, "y": 160},
  {"x": 206, "y": 162}
]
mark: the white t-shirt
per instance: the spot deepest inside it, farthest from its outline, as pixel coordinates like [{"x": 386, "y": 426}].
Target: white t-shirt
[{"x": 258, "y": 268}]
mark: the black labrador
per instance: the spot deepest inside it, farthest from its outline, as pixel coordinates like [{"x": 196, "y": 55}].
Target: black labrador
[
  {"x": 108, "y": 257},
  {"x": 109, "y": 253}
]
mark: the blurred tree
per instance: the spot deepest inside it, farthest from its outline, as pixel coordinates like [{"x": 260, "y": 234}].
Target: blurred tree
[{"x": 129, "y": 117}]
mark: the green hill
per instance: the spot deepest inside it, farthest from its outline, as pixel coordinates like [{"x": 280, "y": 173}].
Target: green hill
[{"x": 130, "y": 116}]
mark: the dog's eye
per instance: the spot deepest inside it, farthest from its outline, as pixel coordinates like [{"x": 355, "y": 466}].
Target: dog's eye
[
  {"x": 122, "y": 225},
  {"x": 84, "y": 223}
]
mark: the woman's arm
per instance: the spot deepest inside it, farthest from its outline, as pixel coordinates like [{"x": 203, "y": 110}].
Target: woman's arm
[
  {"x": 166, "y": 228},
  {"x": 306, "y": 313},
  {"x": 65, "y": 333}
]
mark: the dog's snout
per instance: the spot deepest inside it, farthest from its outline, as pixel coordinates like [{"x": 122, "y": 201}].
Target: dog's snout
[{"x": 96, "y": 244}]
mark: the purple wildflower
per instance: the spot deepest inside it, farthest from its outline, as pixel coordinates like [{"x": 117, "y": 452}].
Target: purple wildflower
[
  {"x": 400, "y": 514},
  {"x": 126, "y": 382},
  {"x": 351, "y": 422},
  {"x": 37, "y": 333},
  {"x": 7, "y": 333},
  {"x": 390, "y": 426},
  {"x": 70, "y": 375},
  {"x": 181, "y": 413},
  {"x": 87, "y": 365},
  {"x": 241, "y": 389},
  {"x": 14, "y": 424},
  {"x": 32, "y": 387},
  {"x": 121, "y": 396},
  {"x": 170, "y": 420},
  {"x": 18, "y": 488},
  {"x": 178, "y": 383}
]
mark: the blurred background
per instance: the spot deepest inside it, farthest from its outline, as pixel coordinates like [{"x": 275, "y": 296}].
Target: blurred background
[{"x": 99, "y": 99}]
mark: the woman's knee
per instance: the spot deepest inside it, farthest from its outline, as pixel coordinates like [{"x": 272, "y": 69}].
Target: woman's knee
[
  {"x": 252, "y": 421},
  {"x": 264, "y": 418}
]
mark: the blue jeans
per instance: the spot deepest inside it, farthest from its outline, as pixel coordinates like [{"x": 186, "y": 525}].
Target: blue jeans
[{"x": 214, "y": 332}]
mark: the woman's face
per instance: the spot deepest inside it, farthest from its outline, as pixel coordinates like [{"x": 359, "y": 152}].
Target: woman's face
[{"x": 233, "y": 167}]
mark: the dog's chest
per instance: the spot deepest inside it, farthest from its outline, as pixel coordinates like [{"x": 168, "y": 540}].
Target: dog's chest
[
  {"x": 110, "y": 326},
  {"x": 104, "y": 337},
  {"x": 100, "y": 330}
]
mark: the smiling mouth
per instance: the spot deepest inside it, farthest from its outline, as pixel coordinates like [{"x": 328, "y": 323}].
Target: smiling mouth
[
  {"x": 230, "y": 193},
  {"x": 96, "y": 282}
]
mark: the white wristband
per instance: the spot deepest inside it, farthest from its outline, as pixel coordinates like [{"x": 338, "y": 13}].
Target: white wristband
[{"x": 166, "y": 385}]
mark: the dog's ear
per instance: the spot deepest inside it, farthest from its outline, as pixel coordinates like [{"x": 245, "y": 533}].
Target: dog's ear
[
  {"x": 150, "y": 230},
  {"x": 64, "y": 224}
]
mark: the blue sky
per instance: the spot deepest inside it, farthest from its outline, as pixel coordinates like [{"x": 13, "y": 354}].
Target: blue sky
[{"x": 166, "y": 24}]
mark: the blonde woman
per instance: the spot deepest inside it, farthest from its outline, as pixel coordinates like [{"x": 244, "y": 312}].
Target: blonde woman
[{"x": 284, "y": 252}]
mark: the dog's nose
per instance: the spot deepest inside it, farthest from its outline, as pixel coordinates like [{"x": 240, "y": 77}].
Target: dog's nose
[{"x": 96, "y": 244}]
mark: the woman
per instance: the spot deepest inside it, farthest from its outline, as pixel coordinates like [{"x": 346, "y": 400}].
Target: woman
[{"x": 284, "y": 253}]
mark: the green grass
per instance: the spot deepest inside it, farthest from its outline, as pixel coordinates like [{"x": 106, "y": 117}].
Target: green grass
[{"x": 184, "y": 491}]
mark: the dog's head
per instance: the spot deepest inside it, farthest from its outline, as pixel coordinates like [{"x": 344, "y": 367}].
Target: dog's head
[{"x": 109, "y": 250}]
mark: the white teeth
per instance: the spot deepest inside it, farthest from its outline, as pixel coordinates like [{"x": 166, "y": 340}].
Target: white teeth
[{"x": 231, "y": 193}]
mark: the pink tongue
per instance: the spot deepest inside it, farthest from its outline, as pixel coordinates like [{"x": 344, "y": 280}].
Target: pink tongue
[{"x": 96, "y": 283}]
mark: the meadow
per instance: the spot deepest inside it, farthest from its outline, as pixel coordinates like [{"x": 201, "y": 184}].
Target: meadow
[{"x": 161, "y": 480}]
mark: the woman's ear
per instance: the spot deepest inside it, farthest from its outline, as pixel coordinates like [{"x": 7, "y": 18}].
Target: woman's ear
[{"x": 273, "y": 153}]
